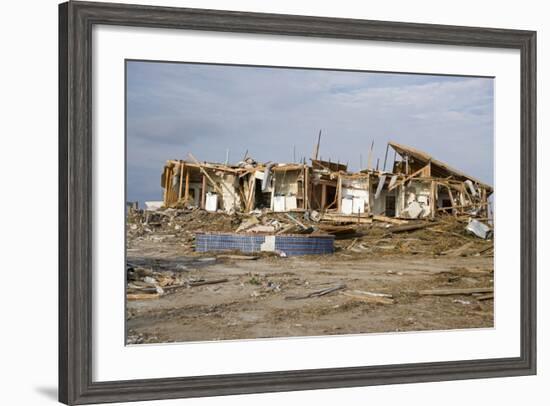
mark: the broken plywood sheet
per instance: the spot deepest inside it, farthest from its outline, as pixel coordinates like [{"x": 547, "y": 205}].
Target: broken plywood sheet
[
  {"x": 290, "y": 203},
  {"x": 479, "y": 229},
  {"x": 211, "y": 202},
  {"x": 347, "y": 205}
]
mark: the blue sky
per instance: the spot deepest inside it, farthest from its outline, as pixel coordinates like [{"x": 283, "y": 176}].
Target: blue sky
[{"x": 177, "y": 108}]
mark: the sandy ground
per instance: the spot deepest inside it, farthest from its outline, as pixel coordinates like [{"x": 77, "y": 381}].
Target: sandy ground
[{"x": 254, "y": 302}]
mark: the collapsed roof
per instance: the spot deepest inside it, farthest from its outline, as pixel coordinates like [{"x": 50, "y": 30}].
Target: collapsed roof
[{"x": 439, "y": 169}]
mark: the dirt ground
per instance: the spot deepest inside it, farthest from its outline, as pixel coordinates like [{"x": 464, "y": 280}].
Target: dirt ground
[{"x": 260, "y": 298}]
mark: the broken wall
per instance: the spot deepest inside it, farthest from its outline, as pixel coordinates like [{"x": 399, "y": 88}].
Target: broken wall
[
  {"x": 228, "y": 184},
  {"x": 355, "y": 195},
  {"x": 286, "y": 190},
  {"x": 416, "y": 201}
]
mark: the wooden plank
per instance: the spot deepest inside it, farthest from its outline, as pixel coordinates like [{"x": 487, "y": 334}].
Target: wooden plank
[
  {"x": 342, "y": 218},
  {"x": 357, "y": 295},
  {"x": 142, "y": 296},
  {"x": 457, "y": 291},
  {"x": 389, "y": 219}
]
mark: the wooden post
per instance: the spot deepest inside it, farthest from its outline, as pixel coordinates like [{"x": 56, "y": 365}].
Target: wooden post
[
  {"x": 251, "y": 192},
  {"x": 273, "y": 183},
  {"x": 181, "y": 180},
  {"x": 165, "y": 194},
  {"x": 203, "y": 193},
  {"x": 339, "y": 195},
  {"x": 316, "y": 149},
  {"x": 368, "y": 211},
  {"x": 306, "y": 187},
  {"x": 452, "y": 199},
  {"x": 433, "y": 199},
  {"x": 386, "y": 155},
  {"x": 484, "y": 202},
  {"x": 168, "y": 186},
  {"x": 369, "y": 159},
  {"x": 323, "y": 196},
  {"x": 186, "y": 185}
]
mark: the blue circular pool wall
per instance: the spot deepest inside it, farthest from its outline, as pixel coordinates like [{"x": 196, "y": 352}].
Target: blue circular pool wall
[{"x": 290, "y": 244}]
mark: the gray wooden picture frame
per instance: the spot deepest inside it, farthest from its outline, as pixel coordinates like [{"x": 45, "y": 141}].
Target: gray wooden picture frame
[{"x": 76, "y": 20}]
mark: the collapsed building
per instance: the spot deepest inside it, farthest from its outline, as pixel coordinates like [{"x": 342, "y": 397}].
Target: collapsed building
[{"x": 417, "y": 186}]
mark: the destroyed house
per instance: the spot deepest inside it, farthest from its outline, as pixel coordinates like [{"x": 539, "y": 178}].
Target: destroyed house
[
  {"x": 243, "y": 187},
  {"x": 421, "y": 186},
  {"x": 418, "y": 186}
]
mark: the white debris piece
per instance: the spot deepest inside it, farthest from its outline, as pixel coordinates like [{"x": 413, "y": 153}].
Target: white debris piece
[
  {"x": 479, "y": 229},
  {"x": 153, "y": 205},
  {"x": 347, "y": 205},
  {"x": 472, "y": 187},
  {"x": 279, "y": 203},
  {"x": 268, "y": 244},
  {"x": 414, "y": 210},
  {"x": 358, "y": 205},
  {"x": 211, "y": 202},
  {"x": 291, "y": 203},
  {"x": 381, "y": 182},
  {"x": 392, "y": 181}
]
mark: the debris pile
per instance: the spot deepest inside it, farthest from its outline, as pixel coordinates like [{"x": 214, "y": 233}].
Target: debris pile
[{"x": 448, "y": 235}]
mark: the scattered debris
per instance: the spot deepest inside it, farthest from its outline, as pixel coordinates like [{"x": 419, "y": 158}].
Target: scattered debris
[
  {"x": 248, "y": 223},
  {"x": 318, "y": 293},
  {"x": 201, "y": 282},
  {"x": 370, "y": 297},
  {"x": 456, "y": 252},
  {"x": 238, "y": 257},
  {"x": 448, "y": 292},
  {"x": 464, "y": 302}
]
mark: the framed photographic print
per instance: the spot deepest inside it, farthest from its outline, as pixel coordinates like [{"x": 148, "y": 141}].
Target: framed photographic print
[{"x": 259, "y": 202}]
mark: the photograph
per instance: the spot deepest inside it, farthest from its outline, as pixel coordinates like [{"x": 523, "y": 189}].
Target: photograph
[{"x": 267, "y": 202}]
